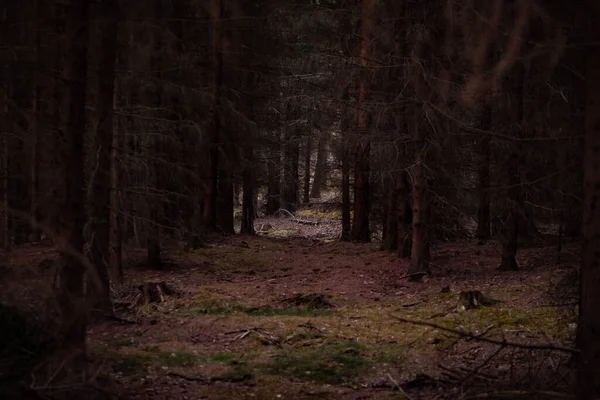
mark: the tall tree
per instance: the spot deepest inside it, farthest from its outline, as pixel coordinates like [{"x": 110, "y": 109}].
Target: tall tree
[
  {"x": 361, "y": 231},
  {"x": 71, "y": 218},
  {"x": 589, "y": 304},
  {"x": 101, "y": 186}
]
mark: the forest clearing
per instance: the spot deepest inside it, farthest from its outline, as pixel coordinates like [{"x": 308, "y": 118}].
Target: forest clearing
[{"x": 287, "y": 316}]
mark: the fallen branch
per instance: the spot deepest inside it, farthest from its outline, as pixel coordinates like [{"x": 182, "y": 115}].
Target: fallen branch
[
  {"x": 519, "y": 393},
  {"x": 503, "y": 342},
  {"x": 413, "y": 275},
  {"x": 399, "y": 387},
  {"x": 188, "y": 378}
]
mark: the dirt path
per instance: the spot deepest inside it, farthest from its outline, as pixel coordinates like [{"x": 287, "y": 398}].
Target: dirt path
[{"x": 231, "y": 334}]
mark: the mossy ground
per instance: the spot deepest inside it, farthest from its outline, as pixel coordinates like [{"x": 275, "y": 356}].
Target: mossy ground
[{"x": 241, "y": 328}]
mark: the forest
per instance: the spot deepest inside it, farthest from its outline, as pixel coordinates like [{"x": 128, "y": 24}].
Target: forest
[{"x": 299, "y": 199}]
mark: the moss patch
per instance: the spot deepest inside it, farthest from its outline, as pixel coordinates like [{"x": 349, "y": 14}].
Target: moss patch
[
  {"x": 333, "y": 364},
  {"x": 221, "y": 307}
]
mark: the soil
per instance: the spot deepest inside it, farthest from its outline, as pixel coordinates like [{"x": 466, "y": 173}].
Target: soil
[{"x": 295, "y": 314}]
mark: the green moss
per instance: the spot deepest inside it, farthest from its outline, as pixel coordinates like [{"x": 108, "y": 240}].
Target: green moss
[
  {"x": 132, "y": 364},
  {"x": 238, "y": 373},
  {"x": 334, "y": 364},
  {"x": 388, "y": 353},
  {"x": 128, "y": 342},
  {"x": 220, "y": 358},
  {"x": 219, "y": 307}
]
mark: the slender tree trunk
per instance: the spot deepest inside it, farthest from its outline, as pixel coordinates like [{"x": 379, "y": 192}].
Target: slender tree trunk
[
  {"x": 71, "y": 218},
  {"x": 212, "y": 195},
  {"x": 588, "y": 338},
  {"x": 35, "y": 131},
  {"x": 419, "y": 261},
  {"x": 225, "y": 197},
  {"x": 274, "y": 175},
  {"x": 116, "y": 204},
  {"x": 483, "y": 209},
  {"x": 248, "y": 196},
  {"x": 514, "y": 192},
  {"x": 153, "y": 152},
  {"x": 404, "y": 215},
  {"x": 307, "y": 170},
  {"x": 390, "y": 214},
  {"x": 320, "y": 167},
  {"x": 362, "y": 192},
  {"x": 101, "y": 184},
  {"x": 291, "y": 158}
]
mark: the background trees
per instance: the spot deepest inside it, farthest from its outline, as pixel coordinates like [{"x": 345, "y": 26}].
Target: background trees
[{"x": 422, "y": 121}]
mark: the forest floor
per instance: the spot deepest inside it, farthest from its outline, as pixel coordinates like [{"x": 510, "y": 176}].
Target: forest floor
[{"x": 282, "y": 316}]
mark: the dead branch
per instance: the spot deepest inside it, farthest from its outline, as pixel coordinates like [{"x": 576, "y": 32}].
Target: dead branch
[
  {"x": 503, "y": 342},
  {"x": 521, "y": 393}
]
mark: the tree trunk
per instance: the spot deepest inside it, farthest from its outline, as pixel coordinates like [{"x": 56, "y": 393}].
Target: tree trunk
[
  {"x": 307, "y": 170},
  {"x": 212, "y": 195},
  {"x": 361, "y": 231},
  {"x": 35, "y": 131},
  {"x": 514, "y": 193},
  {"x": 101, "y": 187},
  {"x": 588, "y": 338},
  {"x": 483, "y": 189},
  {"x": 116, "y": 203},
  {"x": 248, "y": 199},
  {"x": 404, "y": 214},
  {"x": 419, "y": 260},
  {"x": 71, "y": 216},
  {"x": 390, "y": 214},
  {"x": 291, "y": 158},
  {"x": 274, "y": 172},
  {"x": 153, "y": 152},
  {"x": 320, "y": 167},
  {"x": 225, "y": 197}
]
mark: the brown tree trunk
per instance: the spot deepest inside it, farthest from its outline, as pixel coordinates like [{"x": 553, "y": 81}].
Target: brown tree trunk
[
  {"x": 248, "y": 196},
  {"x": 274, "y": 172},
  {"x": 101, "y": 187},
  {"x": 404, "y": 214},
  {"x": 212, "y": 195},
  {"x": 588, "y": 338},
  {"x": 35, "y": 131},
  {"x": 225, "y": 196},
  {"x": 116, "y": 204},
  {"x": 390, "y": 215},
  {"x": 291, "y": 156},
  {"x": 361, "y": 231},
  {"x": 483, "y": 189},
  {"x": 514, "y": 192},
  {"x": 71, "y": 216},
  {"x": 320, "y": 167},
  {"x": 307, "y": 170},
  {"x": 419, "y": 261}
]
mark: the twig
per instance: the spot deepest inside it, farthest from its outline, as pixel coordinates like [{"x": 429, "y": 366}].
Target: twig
[
  {"x": 513, "y": 393},
  {"x": 413, "y": 275},
  {"x": 188, "y": 378},
  {"x": 503, "y": 342},
  {"x": 399, "y": 387}
]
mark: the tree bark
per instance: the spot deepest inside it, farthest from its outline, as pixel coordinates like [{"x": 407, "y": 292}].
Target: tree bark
[
  {"x": 320, "y": 175},
  {"x": 212, "y": 195},
  {"x": 361, "y": 231},
  {"x": 483, "y": 189},
  {"x": 274, "y": 174},
  {"x": 71, "y": 218},
  {"x": 291, "y": 157},
  {"x": 116, "y": 203},
  {"x": 588, "y": 338},
  {"x": 101, "y": 179},
  {"x": 307, "y": 170},
  {"x": 248, "y": 196}
]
